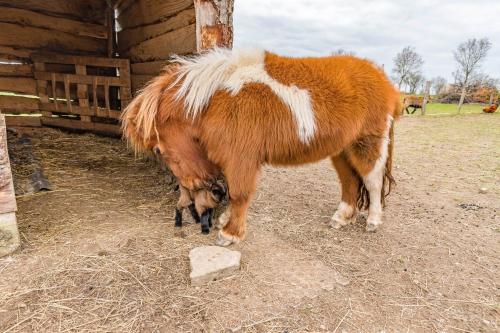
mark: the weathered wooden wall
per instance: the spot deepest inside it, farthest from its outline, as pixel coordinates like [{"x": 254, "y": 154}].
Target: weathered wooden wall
[
  {"x": 28, "y": 26},
  {"x": 150, "y": 31}
]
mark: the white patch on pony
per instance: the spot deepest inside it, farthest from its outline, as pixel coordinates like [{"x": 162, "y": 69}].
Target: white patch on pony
[
  {"x": 374, "y": 180},
  {"x": 222, "y": 69},
  {"x": 344, "y": 215}
]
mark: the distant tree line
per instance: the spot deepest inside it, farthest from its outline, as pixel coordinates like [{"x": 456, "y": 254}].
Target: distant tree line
[{"x": 470, "y": 83}]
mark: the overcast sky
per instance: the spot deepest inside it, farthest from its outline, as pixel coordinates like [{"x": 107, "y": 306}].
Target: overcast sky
[{"x": 376, "y": 29}]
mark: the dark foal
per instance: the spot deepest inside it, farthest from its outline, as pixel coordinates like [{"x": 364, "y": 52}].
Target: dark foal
[{"x": 201, "y": 204}]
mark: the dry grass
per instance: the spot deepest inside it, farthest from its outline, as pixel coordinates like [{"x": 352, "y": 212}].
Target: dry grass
[{"x": 100, "y": 252}]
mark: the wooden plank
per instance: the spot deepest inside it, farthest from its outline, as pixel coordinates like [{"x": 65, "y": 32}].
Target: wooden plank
[
  {"x": 34, "y": 19},
  {"x": 80, "y": 60},
  {"x": 80, "y": 79},
  {"x": 82, "y": 111},
  {"x": 149, "y": 68},
  {"x": 8, "y": 53},
  {"x": 82, "y": 91},
  {"x": 7, "y": 197},
  {"x": 144, "y": 12},
  {"x": 18, "y": 36},
  {"x": 79, "y": 125},
  {"x": 18, "y": 104},
  {"x": 21, "y": 85},
  {"x": 139, "y": 81},
  {"x": 181, "y": 41},
  {"x": 24, "y": 121},
  {"x": 134, "y": 36},
  {"x": 88, "y": 10},
  {"x": 16, "y": 70}
]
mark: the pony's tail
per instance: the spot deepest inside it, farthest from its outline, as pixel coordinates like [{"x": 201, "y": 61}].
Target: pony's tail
[{"x": 388, "y": 181}]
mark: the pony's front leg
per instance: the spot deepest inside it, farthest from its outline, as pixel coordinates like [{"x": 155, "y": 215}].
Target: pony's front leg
[{"x": 241, "y": 183}]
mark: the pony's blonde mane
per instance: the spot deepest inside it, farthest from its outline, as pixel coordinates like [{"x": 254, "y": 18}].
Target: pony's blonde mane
[{"x": 140, "y": 116}]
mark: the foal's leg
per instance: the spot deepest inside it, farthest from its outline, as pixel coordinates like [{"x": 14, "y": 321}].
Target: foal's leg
[
  {"x": 184, "y": 201},
  {"x": 350, "y": 181},
  {"x": 241, "y": 178},
  {"x": 205, "y": 221}
]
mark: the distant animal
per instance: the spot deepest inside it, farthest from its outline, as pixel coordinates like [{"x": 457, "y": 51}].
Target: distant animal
[
  {"x": 234, "y": 111},
  {"x": 490, "y": 108},
  {"x": 414, "y": 102}
]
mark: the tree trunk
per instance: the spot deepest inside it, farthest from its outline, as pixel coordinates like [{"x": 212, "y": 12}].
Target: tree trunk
[
  {"x": 426, "y": 96},
  {"x": 462, "y": 97},
  {"x": 214, "y": 23}
]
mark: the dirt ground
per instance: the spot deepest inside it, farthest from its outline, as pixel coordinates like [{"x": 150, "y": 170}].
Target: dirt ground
[{"x": 100, "y": 252}]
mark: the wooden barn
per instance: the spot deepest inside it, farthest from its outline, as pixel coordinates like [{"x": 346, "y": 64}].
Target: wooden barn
[{"x": 76, "y": 64}]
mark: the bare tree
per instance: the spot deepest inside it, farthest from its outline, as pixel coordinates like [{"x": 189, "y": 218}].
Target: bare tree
[
  {"x": 414, "y": 81},
  {"x": 406, "y": 63},
  {"x": 342, "y": 51},
  {"x": 469, "y": 56},
  {"x": 438, "y": 85}
]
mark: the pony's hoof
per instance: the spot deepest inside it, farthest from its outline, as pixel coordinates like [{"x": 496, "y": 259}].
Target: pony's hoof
[
  {"x": 224, "y": 239},
  {"x": 338, "y": 221},
  {"x": 372, "y": 226}
]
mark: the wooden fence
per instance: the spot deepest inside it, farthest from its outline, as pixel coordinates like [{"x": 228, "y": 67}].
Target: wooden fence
[{"x": 88, "y": 94}]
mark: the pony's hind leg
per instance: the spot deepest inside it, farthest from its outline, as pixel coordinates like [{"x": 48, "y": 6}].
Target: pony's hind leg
[
  {"x": 370, "y": 157},
  {"x": 350, "y": 183}
]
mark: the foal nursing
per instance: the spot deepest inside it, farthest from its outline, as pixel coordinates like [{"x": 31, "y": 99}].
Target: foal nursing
[{"x": 230, "y": 112}]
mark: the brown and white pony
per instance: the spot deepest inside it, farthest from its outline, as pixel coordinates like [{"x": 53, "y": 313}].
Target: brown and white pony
[{"x": 233, "y": 111}]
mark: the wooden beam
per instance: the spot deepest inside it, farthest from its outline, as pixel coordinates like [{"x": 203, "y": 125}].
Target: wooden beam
[
  {"x": 148, "y": 68},
  {"x": 144, "y": 12},
  {"x": 214, "y": 24},
  {"x": 139, "y": 81},
  {"x": 16, "y": 70},
  {"x": 18, "y": 36},
  {"x": 79, "y": 125},
  {"x": 79, "y": 79},
  {"x": 181, "y": 41},
  {"x": 21, "y": 85},
  {"x": 18, "y": 104},
  {"x": 88, "y": 10},
  {"x": 134, "y": 36},
  {"x": 79, "y": 60},
  {"x": 23, "y": 121},
  {"x": 9, "y": 53},
  {"x": 81, "y": 111},
  {"x": 39, "y": 20}
]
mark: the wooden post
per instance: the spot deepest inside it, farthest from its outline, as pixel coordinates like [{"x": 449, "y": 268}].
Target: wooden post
[
  {"x": 110, "y": 25},
  {"x": 82, "y": 92},
  {"x": 426, "y": 96},
  {"x": 9, "y": 235},
  {"x": 492, "y": 96},
  {"x": 214, "y": 23}
]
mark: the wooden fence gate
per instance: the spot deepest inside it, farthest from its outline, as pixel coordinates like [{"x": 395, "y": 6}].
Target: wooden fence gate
[{"x": 79, "y": 92}]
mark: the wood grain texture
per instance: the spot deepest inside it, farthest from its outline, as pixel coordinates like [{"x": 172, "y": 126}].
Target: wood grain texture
[
  {"x": 31, "y": 18},
  {"x": 18, "y": 104},
  {"x": 16, "y": 70},
  {"x": 88, "y": 10},
  {"x": 144, "y": 12},
  {"x": 23, "y": 121},
  {"x": 134, "y": 36},
  {"x": 18, "y": 36},
  {"x": 148, "y": 68},
  {"x": 21, "y": 85},
  {"x": 181, "y": 41}
]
